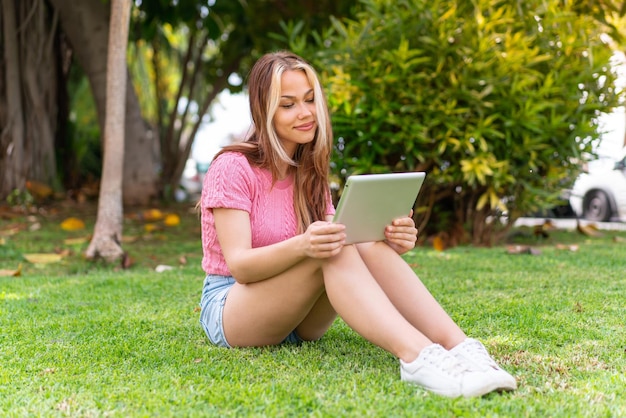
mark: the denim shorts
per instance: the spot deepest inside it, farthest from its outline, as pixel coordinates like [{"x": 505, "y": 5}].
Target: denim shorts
[{"x": 214, "y": 292}]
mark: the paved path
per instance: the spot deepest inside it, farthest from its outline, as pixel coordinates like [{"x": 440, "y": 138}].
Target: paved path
[{"x": 570, "y": 223}]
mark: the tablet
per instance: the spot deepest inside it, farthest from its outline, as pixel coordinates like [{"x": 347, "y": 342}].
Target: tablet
[{"x": 369, "y": 202}]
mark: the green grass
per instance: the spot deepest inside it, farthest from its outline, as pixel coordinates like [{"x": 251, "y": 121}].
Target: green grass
[{"x": 85, "y": 339}]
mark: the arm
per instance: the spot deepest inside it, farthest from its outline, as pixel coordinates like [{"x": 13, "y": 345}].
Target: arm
[{"x": 321, "y": 240}]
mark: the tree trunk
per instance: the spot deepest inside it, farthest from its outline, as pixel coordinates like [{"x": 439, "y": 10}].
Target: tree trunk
[
  {"x": 106, "y": 242},
  {"x": 85, "y": 24},
  {"x": 28, "y": 118},
  {"x": 12, "y": 140}
]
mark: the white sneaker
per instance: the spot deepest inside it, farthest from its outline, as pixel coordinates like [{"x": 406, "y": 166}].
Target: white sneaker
[
  {"x": 474, "y": 352},
  {"x": 440, "y": 372}
]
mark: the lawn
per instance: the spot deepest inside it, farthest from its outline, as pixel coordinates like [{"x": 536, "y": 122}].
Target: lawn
[{"x": 83, "y": 338}]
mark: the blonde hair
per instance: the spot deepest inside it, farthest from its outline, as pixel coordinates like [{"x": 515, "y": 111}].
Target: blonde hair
[{"x": 264, "y": 149}]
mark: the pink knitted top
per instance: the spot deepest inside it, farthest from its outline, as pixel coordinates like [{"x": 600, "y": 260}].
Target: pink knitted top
[{"x": 231, "y": 182}]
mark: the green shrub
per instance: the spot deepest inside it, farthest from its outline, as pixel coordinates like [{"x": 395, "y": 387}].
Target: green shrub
[{"x": 497, "y": 101}]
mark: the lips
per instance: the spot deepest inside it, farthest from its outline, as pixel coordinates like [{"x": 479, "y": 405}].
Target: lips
[{"x": 305, "y": 127}]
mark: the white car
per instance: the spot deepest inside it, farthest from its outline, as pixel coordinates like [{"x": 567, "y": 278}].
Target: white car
[{"x": 600, "y": 194}]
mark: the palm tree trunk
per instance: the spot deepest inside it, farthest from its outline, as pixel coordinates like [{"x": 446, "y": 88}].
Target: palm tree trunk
[
  {"x": 106, "y": 242},
  {"x": 85, "y": 24}
]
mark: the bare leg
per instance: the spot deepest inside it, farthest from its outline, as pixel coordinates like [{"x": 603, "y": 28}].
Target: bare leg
[
  {"x": 379, "y": 296},
  {"x": 365, "y": 307},
  {"x": 265, "y": 312},
  {"x": 409, "y": 295},
  {"x": 318, "y": 320},
  {"x": 307, "y": 296}
]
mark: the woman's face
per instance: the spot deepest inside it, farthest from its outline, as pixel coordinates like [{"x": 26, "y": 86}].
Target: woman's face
[{"x": 295, "y": 119}]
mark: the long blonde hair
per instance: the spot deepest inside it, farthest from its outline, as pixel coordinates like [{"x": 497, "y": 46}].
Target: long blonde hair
[{"x": 263, "y": 148}]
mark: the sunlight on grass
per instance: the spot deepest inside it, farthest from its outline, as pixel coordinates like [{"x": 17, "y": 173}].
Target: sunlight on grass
[
  {"x": 84, "y": 338},
  {"x": 11, "y": 296}
]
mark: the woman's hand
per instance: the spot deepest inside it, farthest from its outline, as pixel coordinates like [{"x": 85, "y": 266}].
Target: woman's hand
[
  {"x": 324, "y": 239},
  {"x": 401, "y": 235}
]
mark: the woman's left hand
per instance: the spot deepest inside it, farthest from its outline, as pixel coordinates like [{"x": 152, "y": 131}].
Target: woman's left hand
[{"x": 401, "y": 235}]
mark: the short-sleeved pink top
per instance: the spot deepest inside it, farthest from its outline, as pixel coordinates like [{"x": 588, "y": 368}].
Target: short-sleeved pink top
[{"x": 231, "y": 182}]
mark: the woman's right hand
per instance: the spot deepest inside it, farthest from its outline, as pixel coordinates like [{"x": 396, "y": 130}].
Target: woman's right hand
[{"x": 324, "y": 239}]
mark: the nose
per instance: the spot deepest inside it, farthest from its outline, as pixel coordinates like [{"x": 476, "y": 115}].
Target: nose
[{"x": 304, "y": 110}]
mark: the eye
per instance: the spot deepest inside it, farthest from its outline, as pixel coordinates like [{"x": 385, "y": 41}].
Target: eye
[
  {"x": 310, "y": 100},
  {"x": 287, "y": 106}
]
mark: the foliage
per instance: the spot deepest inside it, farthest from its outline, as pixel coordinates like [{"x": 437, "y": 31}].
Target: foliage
[
  {"x": 20, "y": 198},
  {"x": 82, "y": 340},
  {"x": 185, "y": 53},
  {"x": 180, "y": 65},
  {"x": 607, "y": 12},
  {"x": 83, "y": 159},
  {"x": 497, "y": 101}
]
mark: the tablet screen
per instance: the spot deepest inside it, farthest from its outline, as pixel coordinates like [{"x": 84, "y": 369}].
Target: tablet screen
[{"x": 369, "y": 203}]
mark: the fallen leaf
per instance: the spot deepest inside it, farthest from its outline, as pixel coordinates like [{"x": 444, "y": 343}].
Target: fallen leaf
[
  {"x": 152, "y": 215},
  {"x": 132, "y": 216},
  {"x": 81, "y": 197},
  {"x": 64, "y": 252},
  {"x": 72, "y": 224},
  {"x": 75, "y": 241},
  {"x": 513, "y": 249},
  {"x": 438, "y": 243},
  {"x": 589, "y": 230},
  {"x": 522, "y": 249},
  {"x": 197, "y": 360},
  {"x": 91, "y": 189},
  {"x": 572, "y": 247},
  {"x": 128, "y": 239},
  {"x": 172, "y": 220},
  {"x": 12, "y": 273},
  {"x": 7, "y": 212},
  {"x": 34, "y": 227},
  {"x": 162, "y": 267},
  {"x": 151, "y": 227},
  {"x": 619, "y": 239},
  {"x": 11, "y": 230},
  {"x": 43, "y": 258},
  {"x": 182, "y": 260},
  {"x": 38, "y": 190}
]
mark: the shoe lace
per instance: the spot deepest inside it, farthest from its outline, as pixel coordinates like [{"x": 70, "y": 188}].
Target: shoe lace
[
  {"x": 478, "y": 354},
  {"x": 445, "y": 361}
]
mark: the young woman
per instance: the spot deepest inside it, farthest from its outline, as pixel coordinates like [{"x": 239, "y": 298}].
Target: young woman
[{"x": 277, "y": 267}]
